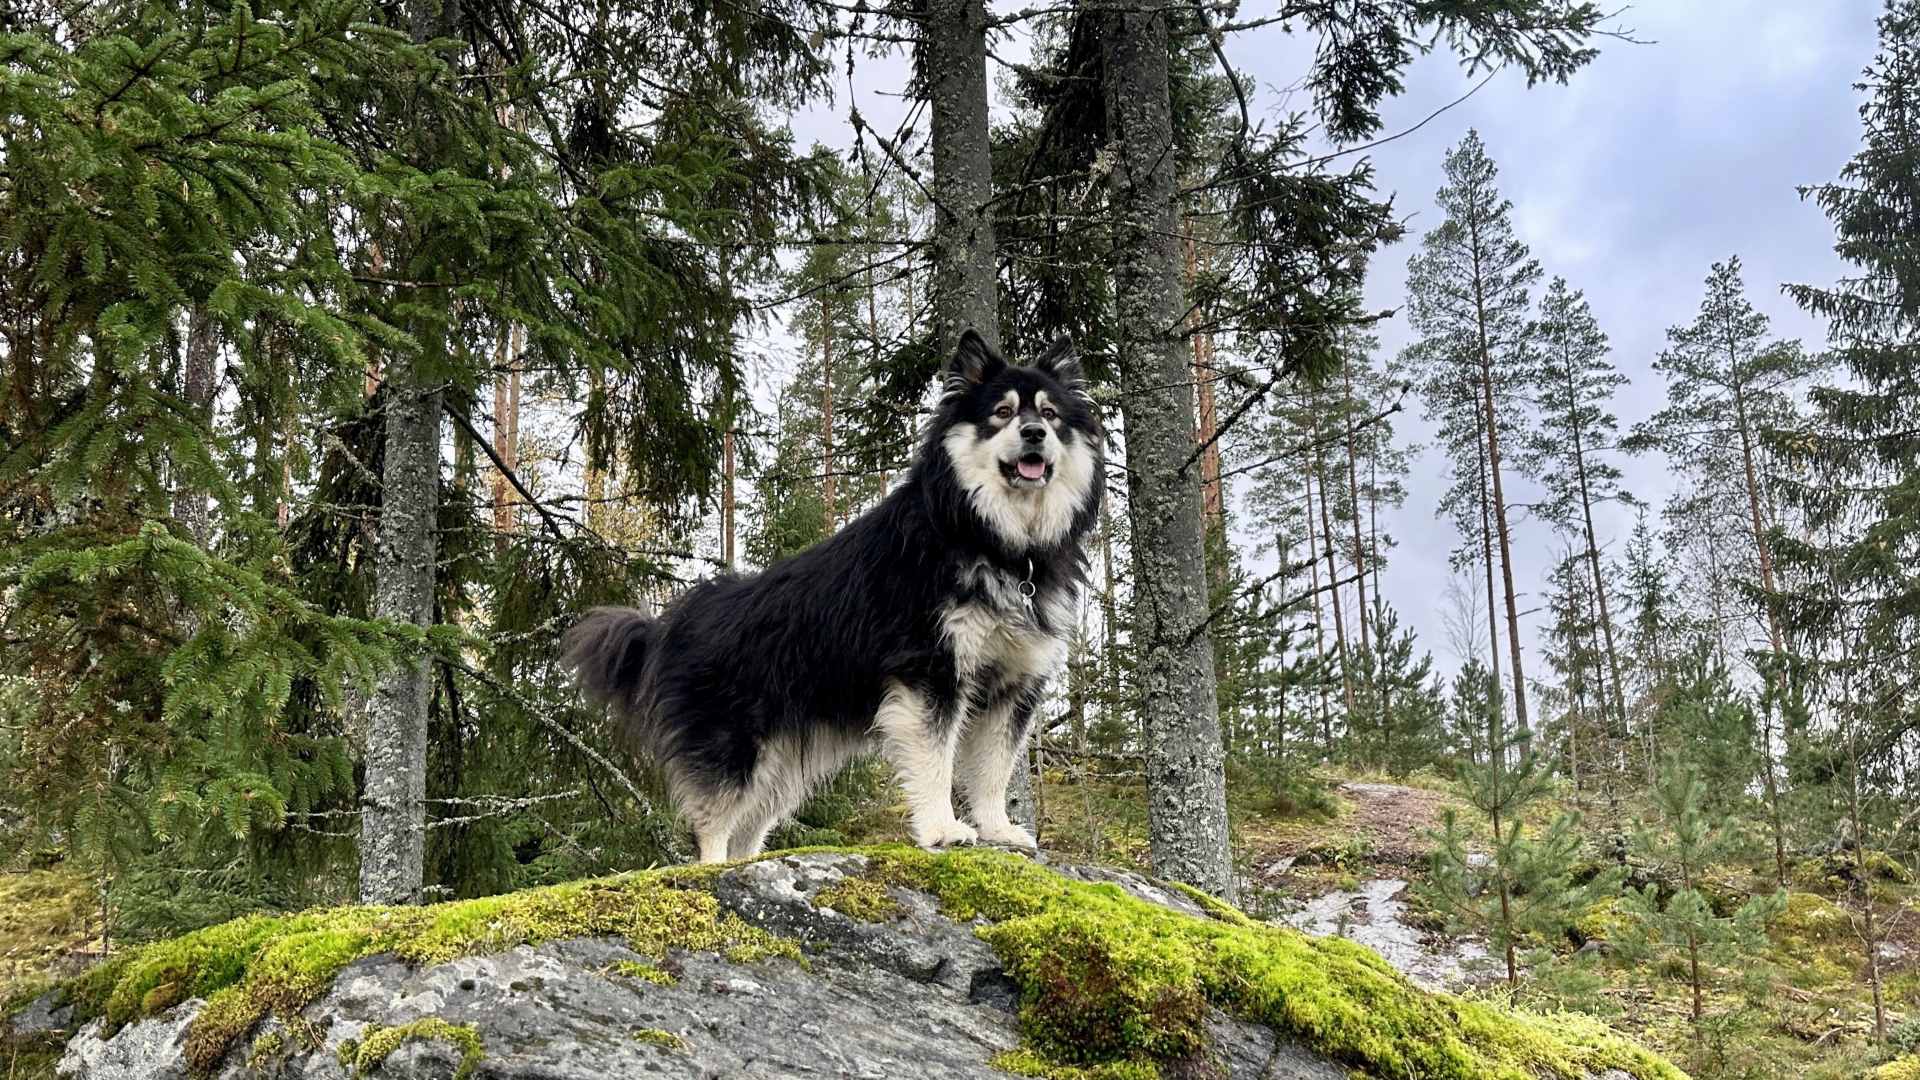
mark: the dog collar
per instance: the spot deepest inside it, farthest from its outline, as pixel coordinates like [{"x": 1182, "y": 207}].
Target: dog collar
[{"x": 1027, "y": 587}]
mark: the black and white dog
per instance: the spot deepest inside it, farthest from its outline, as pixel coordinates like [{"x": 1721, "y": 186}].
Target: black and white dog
[{"x": 924, "y": 629}]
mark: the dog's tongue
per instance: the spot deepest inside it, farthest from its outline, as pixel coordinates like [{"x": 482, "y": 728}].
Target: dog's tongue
[{"x": 1031, "y": 470}]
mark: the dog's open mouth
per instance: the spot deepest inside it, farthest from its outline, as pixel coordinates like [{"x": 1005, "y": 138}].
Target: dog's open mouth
[{"x": 1029, "y": 470}]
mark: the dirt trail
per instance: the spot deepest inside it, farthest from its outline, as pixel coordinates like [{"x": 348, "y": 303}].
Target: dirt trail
[
  {"x": 1383, "y": 839},
  {"x": 1395, "y": 819}
]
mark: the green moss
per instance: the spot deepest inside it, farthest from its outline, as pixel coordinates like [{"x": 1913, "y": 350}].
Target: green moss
[
  {"x": 666, "y": 1040},
  {"x": 1600, "y": 922},
  {"x": 637, "y": 969},
  {"x": 1112, "y": 982},
  {"x": 262, "y": 965},
  {"x": 1208, "y": 903},
  {"x": 1814, "y": 939},
  {"x": 1885, "y": 867},
  {"x": 1024, "y": 1062},
  {"x": 379, "y": 1042},
  {"x": 265, "y": 1047},
  {"x": 1901, "y": 1068},
  {"x": 859, "y": 897}
]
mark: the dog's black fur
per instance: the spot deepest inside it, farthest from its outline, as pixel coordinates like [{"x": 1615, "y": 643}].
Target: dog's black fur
[{"x": 801, "y": 656}]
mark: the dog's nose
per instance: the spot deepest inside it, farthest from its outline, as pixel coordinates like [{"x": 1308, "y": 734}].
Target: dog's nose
[{"x": 1033, "y": 433}]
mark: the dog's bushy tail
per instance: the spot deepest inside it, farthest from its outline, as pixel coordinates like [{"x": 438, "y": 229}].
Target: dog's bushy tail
[{"x": 607, "y": 653}]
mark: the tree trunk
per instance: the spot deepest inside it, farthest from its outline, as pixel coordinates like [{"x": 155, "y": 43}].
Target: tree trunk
[
  {"x": 1333, "y": 590},
  {"x": 1773, "y": 634},
  {"x": 1319, "y": 624},
  {"x": 1491, "y": 420},
  {"x": 505, "y": 375},
  {"x": 954, "y": 61},
  {"x": 1353, "y": 496},
  {"x": 726, "y": 493},
  {"x": 1493, "y": 623},
  {"x": 393, "y": 808},
  {"x": 1502, "y": 533},
  {"x": 1212, "y": 495},
  {"x": 829, "y": 483},
  {"x": 190, "y": 499},
  {"x": 1187, "y": 810},
  {"x": 1599, "y": 584}
]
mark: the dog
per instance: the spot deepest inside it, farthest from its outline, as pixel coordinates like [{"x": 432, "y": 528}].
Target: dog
[{"x": 925, "y": 629}]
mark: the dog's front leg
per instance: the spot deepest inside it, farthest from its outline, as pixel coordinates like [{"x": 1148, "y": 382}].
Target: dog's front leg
[
  {"x": 920, "y": 743},
  {"x": 989, "y": 751}
]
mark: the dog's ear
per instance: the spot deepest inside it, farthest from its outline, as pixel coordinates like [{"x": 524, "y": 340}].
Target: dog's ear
[
  {"x": 1062, "y": 361},
  {"x": 974, "y": 362}
]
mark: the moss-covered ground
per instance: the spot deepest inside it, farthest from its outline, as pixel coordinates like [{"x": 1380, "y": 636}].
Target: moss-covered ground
[{"x": 1111, "y": 986}]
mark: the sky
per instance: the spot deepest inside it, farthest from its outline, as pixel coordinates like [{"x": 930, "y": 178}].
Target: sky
[{"x": 1652, "y": 163}]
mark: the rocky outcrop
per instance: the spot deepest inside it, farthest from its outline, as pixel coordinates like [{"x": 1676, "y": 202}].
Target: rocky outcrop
[{"x": 882, "y": 963}]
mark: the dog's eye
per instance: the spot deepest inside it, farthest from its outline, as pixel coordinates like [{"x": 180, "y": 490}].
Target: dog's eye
[
  {"x": 1003, "y": 411},
  {"x": 1049, "y": 413}
]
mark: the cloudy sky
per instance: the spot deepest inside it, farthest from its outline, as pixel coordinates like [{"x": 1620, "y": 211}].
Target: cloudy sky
[{"x": 1652, "y": 163}]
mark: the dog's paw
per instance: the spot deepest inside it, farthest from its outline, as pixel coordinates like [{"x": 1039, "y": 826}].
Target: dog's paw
[
  {"x": 1008, "y": 835},
  {"x": 953, "y": 833}
]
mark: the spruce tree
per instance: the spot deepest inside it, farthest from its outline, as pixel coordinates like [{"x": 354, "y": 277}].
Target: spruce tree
[{"x": 1856, "y": 609}]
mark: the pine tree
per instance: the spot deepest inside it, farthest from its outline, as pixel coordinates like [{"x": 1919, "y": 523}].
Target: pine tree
[
  {"x": 1683, "y": 840},
  {"x": 1728, "y": 383},
  {"x": 1573, "y": 383},
  {"x": 1523, "y": 891},
  {"x": 1469, "y": 293}
]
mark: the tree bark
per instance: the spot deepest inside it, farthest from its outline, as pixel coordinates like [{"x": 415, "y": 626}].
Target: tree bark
[
  {"x": 955, "y": 62},
  {"x": 829, "y": 483},
  {"x": 1187, "y": 811},
  {"x": 393, "y": 807},
  {"x": 1502, "y": 533},
  {"x": 954, "y": 59},
  {"x": 1494, "y": 707},
  {"x": 1212, "y": 495},
  {"x": 726, "y": 493},
  {"x": 1600, "y": 588},
  {"x": 190, "y": 499}
]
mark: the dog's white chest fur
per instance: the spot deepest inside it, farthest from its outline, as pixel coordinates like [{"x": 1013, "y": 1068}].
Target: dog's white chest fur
[{"x": 1001, "y": 632}]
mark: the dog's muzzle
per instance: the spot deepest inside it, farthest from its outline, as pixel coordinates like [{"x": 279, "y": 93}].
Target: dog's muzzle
[{"x": 1029, "y": 470}]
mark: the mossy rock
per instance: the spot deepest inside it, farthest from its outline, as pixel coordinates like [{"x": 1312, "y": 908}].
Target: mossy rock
[
  {"x": 1900, "y": 1068},
  {"x": 1103, "y": 982},
  {"x": 1602, "y": 921},
  {"x": 1884, "y": 867}
]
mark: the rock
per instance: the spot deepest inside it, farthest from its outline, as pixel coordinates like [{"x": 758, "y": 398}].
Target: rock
[
  {"x": 585, "y": 982},
  {"x": 44, "y": 1015}
]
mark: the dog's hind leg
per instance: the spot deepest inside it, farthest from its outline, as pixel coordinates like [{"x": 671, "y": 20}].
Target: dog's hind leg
[
  {"x": 989, "y": 751},
  {"x": 712, "y": 809},
  {"x": 920, "y": 744},
  {"x": 788, "y": 769}
]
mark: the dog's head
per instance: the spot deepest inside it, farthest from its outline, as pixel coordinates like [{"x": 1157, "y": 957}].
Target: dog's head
[{"x": 1024, "y": 441}]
